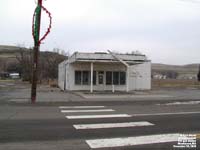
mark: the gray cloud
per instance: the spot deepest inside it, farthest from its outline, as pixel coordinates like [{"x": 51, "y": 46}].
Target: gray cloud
[{"x": 167, "y": 31}]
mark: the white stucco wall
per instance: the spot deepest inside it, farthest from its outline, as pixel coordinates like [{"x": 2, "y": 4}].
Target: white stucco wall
[
  {"x": 140, "y": 76},
  {"x": 61, "y": 75}
]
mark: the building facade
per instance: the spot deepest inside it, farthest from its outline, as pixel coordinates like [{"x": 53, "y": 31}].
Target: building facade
[{"x": 105, "y": 72}]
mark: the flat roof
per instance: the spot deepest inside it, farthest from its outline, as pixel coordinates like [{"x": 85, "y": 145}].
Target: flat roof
[{"x": 106, "y": 57}]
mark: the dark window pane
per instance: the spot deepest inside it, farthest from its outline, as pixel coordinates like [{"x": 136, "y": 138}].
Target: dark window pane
[
  {"x": 116, "y": 78},
  {"x": 108, "y": 78},
  {"x": 122, "y": 78},
  {"x": 77, "y": 77},
  {"x": 86, "y": 77},
  {"x": 94, "y": 77}
]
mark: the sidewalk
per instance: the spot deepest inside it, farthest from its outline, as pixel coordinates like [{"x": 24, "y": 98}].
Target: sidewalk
[
  {"x": 21, "y": 93},
  {"x": 120, "y": 95}
]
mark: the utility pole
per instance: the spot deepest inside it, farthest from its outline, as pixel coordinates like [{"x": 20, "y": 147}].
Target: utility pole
[
  {"x": 37, "y": 16},
  {"x": 198, "y": 75},
  {"x": 37, "y": 42}
]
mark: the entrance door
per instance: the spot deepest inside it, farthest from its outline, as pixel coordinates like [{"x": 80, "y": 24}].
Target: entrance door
[{"x": 101, "y": 80}]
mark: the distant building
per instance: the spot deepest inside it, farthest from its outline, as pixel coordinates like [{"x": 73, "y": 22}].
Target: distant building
[
  {"x": 104, "y": 71},
  {"x": 14, "y": 75},
  {"x": 158, "y": 76},
  {"x": 187, "y": 76}
]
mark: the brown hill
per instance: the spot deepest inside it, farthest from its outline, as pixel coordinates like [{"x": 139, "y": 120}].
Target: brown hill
[{"x": 181, "y": 69}]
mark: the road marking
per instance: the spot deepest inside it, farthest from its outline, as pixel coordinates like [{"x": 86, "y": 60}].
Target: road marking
[
  {"x": 96, "y": 110},
  {"x": 164, "y": 114},
  {"x": 182, "y": 103},
  {"x": 98, "y": 116},
  {"x": 81, "y": 107},
  {"x": 112, "y": 125},
  {"x": 131, "y": 141}
]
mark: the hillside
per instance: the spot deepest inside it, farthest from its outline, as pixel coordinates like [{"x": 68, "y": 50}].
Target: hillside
[
  {"x": 7, "y": 48},
  {"x": 8, "y": 55},
  {"x": 190, "y": 68},
  {"x": 9, "y": 51},
  {"x": 19, "y": 59}
]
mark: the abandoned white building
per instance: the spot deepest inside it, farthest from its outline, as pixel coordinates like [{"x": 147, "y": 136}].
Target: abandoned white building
[{"x": 105, "y": 71}]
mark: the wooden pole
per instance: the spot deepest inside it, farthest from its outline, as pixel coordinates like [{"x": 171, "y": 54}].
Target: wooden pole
[{"x": 35, "y": 57}]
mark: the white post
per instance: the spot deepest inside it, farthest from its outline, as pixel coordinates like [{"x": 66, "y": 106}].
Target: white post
[
  {"x": 113, "y": 88},
  {"x": 127, "y": 79},
  {"x": 91, "y": 78}
]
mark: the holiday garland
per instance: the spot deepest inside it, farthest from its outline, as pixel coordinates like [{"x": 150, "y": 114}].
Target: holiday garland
[{"x": 35, "y": 25}]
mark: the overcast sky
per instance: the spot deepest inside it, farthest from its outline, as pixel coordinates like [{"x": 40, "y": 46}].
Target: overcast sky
[{"x": 167, "y": 31}]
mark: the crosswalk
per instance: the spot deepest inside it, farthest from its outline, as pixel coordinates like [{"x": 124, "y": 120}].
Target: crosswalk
[
  {"x": 90, "y": 113},
  {"x": 131, "y": 141},
  {"x": 112, "y": 125}
]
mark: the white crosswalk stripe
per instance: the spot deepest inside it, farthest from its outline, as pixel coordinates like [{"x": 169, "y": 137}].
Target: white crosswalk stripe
[
  {"x": 97, "y": 116},
  {"x": 131, "y": 141},
  {"x": 63, "y": 107},
  {"x": 112, "y": 125},
  {"x": 91, "y": 110}
]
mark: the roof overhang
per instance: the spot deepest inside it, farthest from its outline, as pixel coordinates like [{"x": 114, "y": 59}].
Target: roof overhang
[{"x": 107, "y": 58}]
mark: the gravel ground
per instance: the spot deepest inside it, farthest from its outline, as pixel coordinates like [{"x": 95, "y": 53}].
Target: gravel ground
[{"x": 15, "y": 91}]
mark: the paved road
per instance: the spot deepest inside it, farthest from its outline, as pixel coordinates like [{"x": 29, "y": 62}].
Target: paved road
[
  {"x": 53, "y": 127},
  {"x": 105, "y": 124}
]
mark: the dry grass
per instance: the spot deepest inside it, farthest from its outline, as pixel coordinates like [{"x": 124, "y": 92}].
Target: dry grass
[{"x": 174, "y": 83}]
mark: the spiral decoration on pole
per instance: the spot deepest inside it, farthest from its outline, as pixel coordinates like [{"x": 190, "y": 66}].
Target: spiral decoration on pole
[{"x": 35, "y": 25}]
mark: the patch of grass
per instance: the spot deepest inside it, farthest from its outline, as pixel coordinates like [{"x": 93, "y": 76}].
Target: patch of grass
[
  {"x": 174, "y": 83},
  {"x": 7, "y": 80},
  {"x": 7, "y": 56}
]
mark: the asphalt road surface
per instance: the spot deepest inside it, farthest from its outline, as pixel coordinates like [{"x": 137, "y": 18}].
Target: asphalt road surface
[
  {"x": 84, "y": 125},
  {"x": 117, "y": 126}
]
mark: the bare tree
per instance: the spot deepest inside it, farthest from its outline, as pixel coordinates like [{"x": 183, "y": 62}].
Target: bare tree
[
  {"x": 47, "y": 66},
  {"x": 24, "y": 58}
]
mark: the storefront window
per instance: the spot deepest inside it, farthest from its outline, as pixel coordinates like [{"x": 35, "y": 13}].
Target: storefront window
[
  {"x": 86, "y": 77},
  {"x": 78, "y": 77},
  {"x": 122, "y": 78},
  {"x": 94, "y": 77},
  {"x": 108, "y": 78},
  {"x": 116, "y": 78},
  {"x": 83, "y": 77}
]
